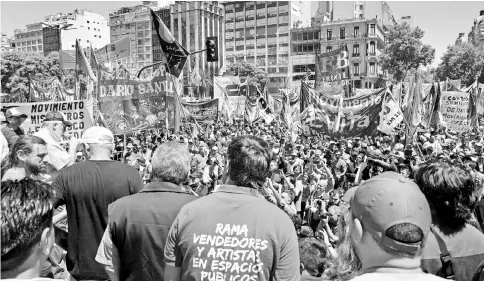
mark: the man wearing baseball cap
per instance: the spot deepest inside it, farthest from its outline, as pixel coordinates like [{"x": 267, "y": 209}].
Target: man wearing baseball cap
[
  {"x": 389, "y": 227},
  {"x": 13, "y": 119},
  {"x": 87, "y": 188},
  {"x": 52, "y": 132}
]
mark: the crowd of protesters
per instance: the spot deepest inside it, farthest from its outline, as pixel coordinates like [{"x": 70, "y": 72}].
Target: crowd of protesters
[{"x": 239, "y": 202}]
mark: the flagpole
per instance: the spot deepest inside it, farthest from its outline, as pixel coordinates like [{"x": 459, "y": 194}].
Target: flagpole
[{"x": 76, "y": 74}]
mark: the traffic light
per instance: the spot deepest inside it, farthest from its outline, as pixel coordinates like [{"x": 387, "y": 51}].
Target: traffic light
[{"x": 212, "y": 48}]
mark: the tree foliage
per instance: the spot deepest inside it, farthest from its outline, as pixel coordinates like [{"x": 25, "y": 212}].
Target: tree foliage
[
  {"x": 16, "y": 67},
  {"x": 462, "y": 61},
  {"x": 255, "y": 76},
  {"x": 405, "y": 51}
]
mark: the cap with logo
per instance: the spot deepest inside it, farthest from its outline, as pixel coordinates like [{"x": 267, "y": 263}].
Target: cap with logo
[
  {"x": 14, "y": 112},
  {"x": 57, "y": 116},
  {"x": 386, "y": 200},
  {"x": 98, "y": 135}
]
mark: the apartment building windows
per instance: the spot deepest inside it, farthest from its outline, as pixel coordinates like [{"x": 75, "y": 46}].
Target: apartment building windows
[
  {"x": 329, "y": 34},
  {"x": 342, "y": 33},
  {"x": 372, "y": 28},
  {"x": 356, "y": 50},
  {"x": 372, "y": 48},
  {"x": 372, "y": 68},
  {"x": 356, "y": 69},
  {"x": 329, "y": 49},
  {"x": 356, "y": 31}
]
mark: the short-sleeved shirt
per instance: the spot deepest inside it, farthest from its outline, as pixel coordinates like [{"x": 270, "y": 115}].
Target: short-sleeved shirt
[
  {"x": 233, "y": 234},
  {"x": 466, "y": 249},
  {"x": 87, "y": 188}
]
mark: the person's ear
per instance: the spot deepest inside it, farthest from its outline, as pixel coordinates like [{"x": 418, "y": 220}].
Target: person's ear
[
  {"x": 357, "y": 231},
  {"x": 47, "y": 241},
  {"x": 21, "y": 155}
]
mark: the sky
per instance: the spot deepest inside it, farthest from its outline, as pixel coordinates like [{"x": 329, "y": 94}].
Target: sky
[{"x": 442, "y": 21}]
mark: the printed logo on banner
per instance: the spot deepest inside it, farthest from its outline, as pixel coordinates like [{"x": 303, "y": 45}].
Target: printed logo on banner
[
  {"x": 130, "y": 104},
  {"x": 202, "y": 110},
  {"x": 76, "y": 112}
]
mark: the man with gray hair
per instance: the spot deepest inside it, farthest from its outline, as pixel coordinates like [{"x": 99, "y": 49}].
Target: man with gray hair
[
  {"x": 53, "y": 133},
  {"x": 146, "y": 216},
  {"x": 87, "y": 188}
]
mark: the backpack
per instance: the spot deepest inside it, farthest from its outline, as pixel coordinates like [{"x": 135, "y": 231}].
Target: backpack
[{"x": 446, "y": 271}]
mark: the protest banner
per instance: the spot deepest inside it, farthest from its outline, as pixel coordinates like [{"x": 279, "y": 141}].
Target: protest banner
[
  {"x": 454, "y": 107},
  {"x": 332, "y": 68},
  {"x": 77, "y": 112},
  {"x": 114, "y": 51},
  {"x": 48, "y": 89},
  {"x": 130, "y": 104},
  {"x": 202, "y": 111},
  {"x": 390, "y": 116},
  {"x": 356, "y": 120}
]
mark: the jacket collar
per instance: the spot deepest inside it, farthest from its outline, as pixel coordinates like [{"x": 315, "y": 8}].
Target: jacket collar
[
  {"x": 238, "y": 190},
  {"x": 162, "y": 187}
]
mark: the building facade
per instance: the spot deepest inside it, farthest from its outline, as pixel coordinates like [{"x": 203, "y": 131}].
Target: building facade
[
  {"x": 135, "y": 22},
  {"x": 259, "y": 33},
  {"x": 365, "y": 40},
  {"x": 30, "y": 39},
  {"x": 191, "y": 23},
  {"x": 165, "y": 15},
  {"x": 341, "y": 10},
  {"x": 304, "y": 43},
  {"x": 476, "y": 35},
  {"x": 61, "y": 30}
]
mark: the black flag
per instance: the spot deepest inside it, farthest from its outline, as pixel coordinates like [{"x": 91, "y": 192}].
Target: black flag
[{"x": 175, "y": 55}]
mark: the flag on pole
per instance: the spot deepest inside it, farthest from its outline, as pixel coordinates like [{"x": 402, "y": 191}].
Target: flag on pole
[
  {"x": 83, "y": 63},
  {"x": 337, "y": 121},
  {"x": 93, "y": 61},
  {"x": 176, "y": 55},
  {"x": 67, "y": 59}
]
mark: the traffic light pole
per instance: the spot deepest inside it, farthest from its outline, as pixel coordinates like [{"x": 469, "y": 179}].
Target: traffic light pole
[{"x": 196, "y": 52}]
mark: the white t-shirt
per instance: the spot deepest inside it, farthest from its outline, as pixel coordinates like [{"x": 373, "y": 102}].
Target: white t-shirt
[{"x": 377, "y": 276}]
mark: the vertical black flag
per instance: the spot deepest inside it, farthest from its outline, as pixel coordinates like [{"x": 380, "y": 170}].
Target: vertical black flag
[{"x": 175, "y": 55}]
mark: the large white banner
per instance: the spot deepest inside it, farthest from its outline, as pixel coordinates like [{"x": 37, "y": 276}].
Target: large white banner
[
  {"x": 454, "y": 107},
  {"x": 76, "y": 112}
]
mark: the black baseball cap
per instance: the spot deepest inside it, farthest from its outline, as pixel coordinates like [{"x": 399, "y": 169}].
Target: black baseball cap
[{"x": 57, "y": 116}]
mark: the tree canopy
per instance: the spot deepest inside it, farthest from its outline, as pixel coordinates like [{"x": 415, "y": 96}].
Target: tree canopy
[
  {"x": 254, "y": 75},
  {"x": 462, "y": 61},
  {"x": 16, "y": 67},
  {"x": 405, "y": 51}
]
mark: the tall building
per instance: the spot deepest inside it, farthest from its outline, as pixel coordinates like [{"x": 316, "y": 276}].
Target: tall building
[
  {"x": 165, "y": 15},
  {"x": 365, "y": 40},
  {"x": 191, "y": 23},
  {"x": 340, "y": 10},
  {"x": 30, "y": 39},
  {"x": 258, "y": 32},
  {"x": 135, "y": 22},
  {"x": 304, "y": 43},
  {"x": 476, "y": 35},
  {"x": 61, "y": 30}
]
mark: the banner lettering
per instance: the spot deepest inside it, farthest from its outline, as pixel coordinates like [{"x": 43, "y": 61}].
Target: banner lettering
[
  {"x": 76, "y": 112},
  {"x": 454, "y": 107}
]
